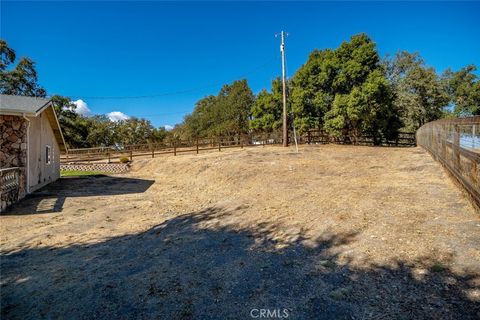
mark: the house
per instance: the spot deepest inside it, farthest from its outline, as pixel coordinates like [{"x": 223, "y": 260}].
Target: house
[{"x": 31, "y": 141}]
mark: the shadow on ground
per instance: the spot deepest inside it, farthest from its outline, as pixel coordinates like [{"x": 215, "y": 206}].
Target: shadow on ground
[
  {"x": 195, "y": 267},
  {"x": 51, "y": 198}
]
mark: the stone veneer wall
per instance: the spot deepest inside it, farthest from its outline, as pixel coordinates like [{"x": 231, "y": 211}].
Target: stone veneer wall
[
  {"x": 13, "y": 148},
  {"x": 13, "y": 142}
]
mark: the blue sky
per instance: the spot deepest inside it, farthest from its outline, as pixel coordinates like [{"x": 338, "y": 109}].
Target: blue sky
[{"x": 183, "y": 51}]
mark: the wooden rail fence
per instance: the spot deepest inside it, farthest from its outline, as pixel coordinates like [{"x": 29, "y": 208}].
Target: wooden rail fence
[
  {"x": 175, "y": 147},
  {"x": 456, "y": 144}
]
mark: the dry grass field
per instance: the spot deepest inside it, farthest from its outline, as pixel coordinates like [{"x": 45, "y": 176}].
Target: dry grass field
[{"x": 333, "y": 232}]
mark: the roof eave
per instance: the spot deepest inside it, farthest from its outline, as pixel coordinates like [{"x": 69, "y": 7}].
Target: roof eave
[
  {"x": 45, "y": 106},
  {"x": 17, "y": 112},
  {"x": 10, "y": 112},
  {"x": 50, "y": 104}
]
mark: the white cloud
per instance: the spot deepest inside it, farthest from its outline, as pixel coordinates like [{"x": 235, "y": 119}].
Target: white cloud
[
  {"x": 117, "y": 116},
  {"x": 168, "y": 127},
  {"x": 82, "y": 108}
]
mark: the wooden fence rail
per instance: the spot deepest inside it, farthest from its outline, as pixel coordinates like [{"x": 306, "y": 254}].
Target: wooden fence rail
[
  {"x": 218, "y": 143},
  {"x": 456, "y": 144}
]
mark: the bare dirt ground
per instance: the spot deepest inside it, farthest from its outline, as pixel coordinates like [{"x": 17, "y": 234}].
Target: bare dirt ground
[{"x": 334, "y": 232}]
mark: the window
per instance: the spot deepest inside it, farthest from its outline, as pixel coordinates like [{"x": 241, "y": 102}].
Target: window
[{"x": 48, "y": 154}]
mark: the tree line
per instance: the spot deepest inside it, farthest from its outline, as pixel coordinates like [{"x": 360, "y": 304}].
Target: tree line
[
  {"x": 348, "y": 92},
  {"x": 99, "y": 131}
]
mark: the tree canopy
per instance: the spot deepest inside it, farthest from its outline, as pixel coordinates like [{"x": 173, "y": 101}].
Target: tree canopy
[
  {"x": 419, "y": 93},
  {"x": 20, "y": 80},
  {"x": 347, "y": 91},
  {"x": 227, "y": 113},
  {"x": 267, "y": 109},
  {"x": 463, "y": 89}
]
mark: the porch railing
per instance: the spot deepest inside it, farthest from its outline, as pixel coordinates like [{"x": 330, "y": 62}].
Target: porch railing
[{"x": 9, "y": 186}]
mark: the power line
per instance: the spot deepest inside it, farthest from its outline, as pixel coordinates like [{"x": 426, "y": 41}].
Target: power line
[
  {"x": 173, "y": 92},
  {"x": 163, "y": 114}
]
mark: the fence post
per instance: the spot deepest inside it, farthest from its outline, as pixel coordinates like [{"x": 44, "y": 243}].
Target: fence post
[
  {"x": 309, "y": 136},
  {"x": 473, "y": 136},
  {"x": 444, "y": 144},
  {"x": 456, "y": 146},
  {"x": 475, "y": 176},
  {"x": 153, "y": 153},
  {"x": 109, "y": 157},
  {"x": 131, "y": 155},
  {"x": 197, "y": 145},
  {"x": 439, "y": 143},
  {"x": 241, "y": 141},
  {"x": 174, "y": 148},
  {"x": 219, "y": 144}
]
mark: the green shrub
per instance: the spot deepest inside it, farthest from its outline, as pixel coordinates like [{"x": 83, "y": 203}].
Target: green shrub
[
  {"x": 438, "y": 267},
  {"x": 124, "y": 160}
]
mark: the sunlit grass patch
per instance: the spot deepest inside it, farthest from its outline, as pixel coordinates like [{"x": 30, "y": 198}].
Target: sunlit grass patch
[{"x": 76, "y": 173}]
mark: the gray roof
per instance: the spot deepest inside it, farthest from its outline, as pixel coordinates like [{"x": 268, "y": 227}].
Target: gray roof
[
  {"x": 32, "y": 107},
  {"x": 21, "y": 104}
]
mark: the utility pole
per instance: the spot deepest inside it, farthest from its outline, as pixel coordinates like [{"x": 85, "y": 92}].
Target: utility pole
[{"x": 284, "y": 85}]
